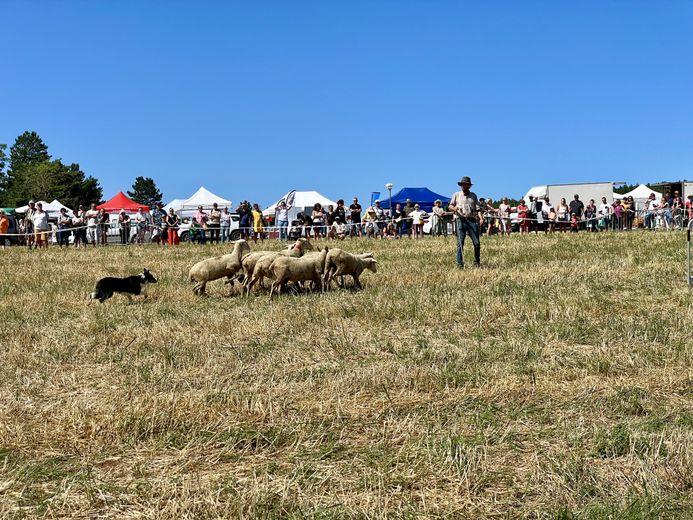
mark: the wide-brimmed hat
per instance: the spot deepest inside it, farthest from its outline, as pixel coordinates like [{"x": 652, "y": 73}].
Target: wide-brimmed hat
[{"x": 464, "y": 180}]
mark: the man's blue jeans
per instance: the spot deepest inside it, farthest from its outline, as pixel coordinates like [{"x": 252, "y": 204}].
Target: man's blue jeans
[
  {"x": 466, "y": 227},
  {"x": 283, "y": 228}
]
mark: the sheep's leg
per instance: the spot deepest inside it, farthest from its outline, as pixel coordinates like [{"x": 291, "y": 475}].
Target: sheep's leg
[{"x": 357, "y": 282}]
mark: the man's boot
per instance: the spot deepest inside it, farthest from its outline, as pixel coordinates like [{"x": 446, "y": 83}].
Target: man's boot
[{"x": 477, "y": 256}]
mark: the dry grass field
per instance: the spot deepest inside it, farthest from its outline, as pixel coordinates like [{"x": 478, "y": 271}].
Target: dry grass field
[{"x": 554, "y": 382}]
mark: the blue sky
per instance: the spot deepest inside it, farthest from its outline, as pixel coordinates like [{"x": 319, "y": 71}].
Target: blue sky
[{"x": 252, "y": 99}]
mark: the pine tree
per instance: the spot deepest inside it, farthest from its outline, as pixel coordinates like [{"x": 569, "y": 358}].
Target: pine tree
[{"x": 144, "y": 191}]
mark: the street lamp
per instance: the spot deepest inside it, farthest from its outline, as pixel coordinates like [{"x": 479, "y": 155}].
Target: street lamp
[{"x": 389, "y": 187}]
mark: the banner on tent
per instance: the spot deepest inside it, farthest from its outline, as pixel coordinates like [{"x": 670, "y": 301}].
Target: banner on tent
[{"x": 375, "y": 195}]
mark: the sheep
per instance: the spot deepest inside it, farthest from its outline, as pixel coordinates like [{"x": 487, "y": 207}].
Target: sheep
[
  {"x": 307, "y": 268},
  {"x": 214, "y": 268},
  {"x": 256, "y": 265},
  {"x": 341, "y": 263}
]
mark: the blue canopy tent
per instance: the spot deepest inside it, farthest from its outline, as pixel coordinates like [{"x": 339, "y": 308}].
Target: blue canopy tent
[{"x": 421, "y": 196}]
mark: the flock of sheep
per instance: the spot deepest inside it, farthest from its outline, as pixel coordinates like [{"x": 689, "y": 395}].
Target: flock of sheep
[{"x": 297, "y": 264}]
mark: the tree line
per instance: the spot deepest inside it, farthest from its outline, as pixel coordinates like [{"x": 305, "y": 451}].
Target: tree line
[{"x": 29, "y": 172}]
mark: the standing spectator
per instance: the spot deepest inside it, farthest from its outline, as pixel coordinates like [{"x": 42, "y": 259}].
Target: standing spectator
[
  {"x": 489, "y": 215},
  {"x": 379, "y": 217},
  {"x": 604, "y": 213},
  {"x": 200, "y": 218},
  {"x": 63, "y": 228},
  {"x": 522, "y": 217},
  {"x": 465, "y": 205},
  {"x": 689, "y": 209},
  {"x": 590, "y": 214},
  {"x": 258, "y": 224},
  {"x": 172, "y": 225},
  {"x": 105, "y": 224},
  {"x": 563, "y": 215},
  {"x": 282, "y": 220},
  {"x": 4, "y": 226},
  {"x": 397, "y": 217},
  {"x": 40, "y": 221},
  {"x": 406, "y": 217},
  {"x": 141, "y": 222},
  {"x": 92, "y": 217},
  {"x": 577, "y": 208},
  {"x": 651, "y": 207},
  {"x": 551, "y": 216},
  {"x": 124, "y": 227},
  {"x": 532, "y": 213},
  {"x": 664, "y": 213},
  {"x": 369, "y": 223},
  {"x": 79, "y": 221},
  {"x": 340, "y": 213},
  {"x": 574, "y": 223},
  {"x": 355, "y": 210},
  {"x": 628, "y": 212},
  {"x": 676, "y": 206},
  {"x": 617, "y": 215},
  {"x": 438, "y": 224},
  {"x": 504, "y": 217},
  {"x": 245, "y": 220},
  {"x": 159, "y": 224},
  {"x": 318, "y": 220},
  {"x": 214, "y": 223},
  {"x": 417, "y": 217},
  {"x": 330, "y": 216},
  {"x": 225, "y": 223},
  {"x": 28, "y": 224}
]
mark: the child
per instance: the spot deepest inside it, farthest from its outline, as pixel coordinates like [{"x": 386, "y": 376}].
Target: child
[
  {"x": 573, "y": 223},
  {"x": 417, "y": 217}
]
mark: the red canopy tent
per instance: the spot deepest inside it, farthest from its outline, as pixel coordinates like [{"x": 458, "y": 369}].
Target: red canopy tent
[{"x": 121, "y": 202}]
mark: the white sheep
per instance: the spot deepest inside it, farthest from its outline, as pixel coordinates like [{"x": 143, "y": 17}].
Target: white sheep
[
  {"x": 256, "y": 265},
  {"x": 341, "y": 263},
  {"x": 308, "y": 268},
  {"x": 218, "y": 267}
]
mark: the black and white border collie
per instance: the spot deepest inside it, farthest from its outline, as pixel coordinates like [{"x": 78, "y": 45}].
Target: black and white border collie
[{"x": 131, "y": 285}]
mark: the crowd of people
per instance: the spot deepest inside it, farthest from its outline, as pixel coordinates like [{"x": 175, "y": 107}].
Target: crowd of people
[{"x": 91, "y": 226}]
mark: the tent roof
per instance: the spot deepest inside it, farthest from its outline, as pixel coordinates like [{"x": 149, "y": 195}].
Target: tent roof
[
  {"x": 641, "y": 192},
  {"x": 48, "y": 207},
  {"x": 301, "y": 199},
  {"x": 176, "y": 204},
  {"x": 120, "y": 201},
  {"x": 536, "y": 191},
  {"x": 205, "y": 198},
  {"x": 422, "y": 196}
]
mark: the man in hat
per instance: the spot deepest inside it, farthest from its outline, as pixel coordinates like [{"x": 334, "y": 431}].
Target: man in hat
[{"x": 465, "y": 207}]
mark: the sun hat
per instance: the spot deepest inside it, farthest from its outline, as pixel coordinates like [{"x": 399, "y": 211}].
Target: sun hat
[{"x": 464, "y": 180}]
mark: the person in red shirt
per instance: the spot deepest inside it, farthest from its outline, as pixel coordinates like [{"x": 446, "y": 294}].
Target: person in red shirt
[{"x": 522, "y": 214}]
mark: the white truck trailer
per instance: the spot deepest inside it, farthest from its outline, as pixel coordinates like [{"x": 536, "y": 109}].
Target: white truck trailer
[{"x": 584, "y": 190}]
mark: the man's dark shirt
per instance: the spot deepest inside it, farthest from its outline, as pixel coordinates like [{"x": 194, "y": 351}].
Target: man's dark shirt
[
  {"x": 576, "y": 208},
  {"x": 355, "y": 210}
]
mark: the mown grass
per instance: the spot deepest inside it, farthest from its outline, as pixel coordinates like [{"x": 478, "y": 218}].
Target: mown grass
[{"x": 555, "y": 382}]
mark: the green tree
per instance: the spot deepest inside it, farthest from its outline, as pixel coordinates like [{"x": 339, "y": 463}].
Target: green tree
[
  {"x": 625, "y": 188},
  {"x": 33, "y": 175},
  {"x": 144, "y": 191},
  {"x": 3, "y": 162},
  {"x": 28, "y": 149}
]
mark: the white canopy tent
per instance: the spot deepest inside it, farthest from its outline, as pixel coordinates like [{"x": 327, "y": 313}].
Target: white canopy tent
[
  {"x": 300, "y": 201},
  {"x": 205, "y": 198},
  {"x": 640, "y": 195},
  {"x": 536, "y": 192},
  {"x": 176, "y": 204},
  {"x": 48, "y": 207}
]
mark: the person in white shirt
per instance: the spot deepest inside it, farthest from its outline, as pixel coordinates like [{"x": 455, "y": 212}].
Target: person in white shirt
[
  {"x": 417, "y": 216},
  {"x": 92, "y": 219},
  {"x": 504, "y": 217},
  {"x": 651, "y": 207},
  {"x": 40, "y": 222},
  {"x": 604, "y": 211},
  {"x": 282, "y": 220},
  {"x": 141, "y": 222}
]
